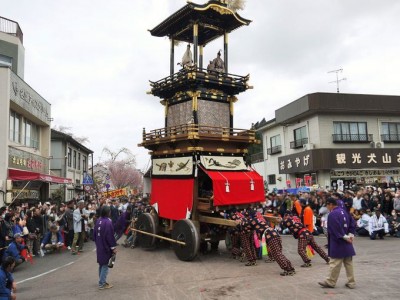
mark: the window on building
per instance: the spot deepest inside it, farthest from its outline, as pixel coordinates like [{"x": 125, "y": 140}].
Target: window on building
[
  {"x": 15, "y": 127},
  {"x": 272, "y": 179},
  {"x": 79, "y": 161},
  {"x": 5, "y": 61},
  {"x": 69, "y": 156},
  {"x": 74, "y": 161},
  {"x": 350, "y": 132},
  {"x": 32, "y": 131},
  {"x": 300, "y": 137},
  {"x": 275, "y": 143},
  {"x": 84, "y": 163},
  {"x": 390, "y": 132}
]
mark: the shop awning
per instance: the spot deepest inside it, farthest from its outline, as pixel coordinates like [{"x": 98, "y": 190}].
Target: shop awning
[
  {"x": 21, "y": 175},
  {"x": 172, "y": 198},
  {"x": 236, "y": 187}
]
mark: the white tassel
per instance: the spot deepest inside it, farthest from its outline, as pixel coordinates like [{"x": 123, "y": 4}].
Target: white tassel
[
  {"x": 251, "y": 185},
  {"x": 227, "y": 187},
  {"x": 195, "y": 171}
]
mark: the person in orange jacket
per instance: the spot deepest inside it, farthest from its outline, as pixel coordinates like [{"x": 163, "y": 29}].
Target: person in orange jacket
[{"x": 307, "y": 215}]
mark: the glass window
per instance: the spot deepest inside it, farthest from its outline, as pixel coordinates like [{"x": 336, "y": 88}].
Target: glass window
[
  {"x": 28, "y": 128},
  {"x": 390, "y": 131},
  {"x": 275, "y": 141},
  {"x": 74, "y": 159},
  {"x": 15, "y": 127},
  {"x": 79, "y": 161},
  {"x": 84, "y": 163},
  {"x": 5, "y": 61},
  {"x": 69, "y": 155},
  {"x": 300, "y": 133},
  {"x": 350, "y": 131}
]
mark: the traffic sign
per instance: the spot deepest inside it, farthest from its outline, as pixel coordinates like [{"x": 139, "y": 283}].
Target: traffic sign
[
  {"x": 87, "y": 180},
  {"x": 107, "y": 186},
  {"x": 87, "y": 188}
]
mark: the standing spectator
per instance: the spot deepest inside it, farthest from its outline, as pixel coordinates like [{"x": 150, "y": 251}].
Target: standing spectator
[
  {"x": 7, "y": 283},
  {"x": 105, "y": 245},
  {"x": 387, "y": 204},
  {"x": 378, "y": 225},
  {"x": 357, "y": 201},
  {"x": 340, "y": 246},
  {"x": 37, "y": 217},
  {"x": 122, "y": 223},
  {"x": 396, "y": 201},
  {"x": 6, "y": 228},
  {"x": 32, "y": 234},
  {"x": 79, "y": 228},
  {"x": 69, "y": 224},
  {"x": 114, "y": 212}
]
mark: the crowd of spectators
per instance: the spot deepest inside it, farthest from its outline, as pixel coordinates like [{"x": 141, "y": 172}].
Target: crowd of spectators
[
  {"x": 375, "y": 210},
  {"x": 41, "y": 229}
]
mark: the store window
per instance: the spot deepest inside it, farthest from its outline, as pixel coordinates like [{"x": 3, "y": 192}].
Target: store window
[
  {"x": 350, "y": 132},
  {"x": 390, "y": 132},
  {"x": 15, "y": 127}
]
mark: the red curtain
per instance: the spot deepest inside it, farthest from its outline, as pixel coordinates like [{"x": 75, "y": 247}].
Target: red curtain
[
  {"x": 241, "y": 191},
  {"x": 174, "y": 197}
]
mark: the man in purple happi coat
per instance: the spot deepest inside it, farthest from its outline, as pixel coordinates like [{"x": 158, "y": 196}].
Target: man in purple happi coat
[
  {"x": 105, "y": 245},
  {"x": 341, "y": 228}
]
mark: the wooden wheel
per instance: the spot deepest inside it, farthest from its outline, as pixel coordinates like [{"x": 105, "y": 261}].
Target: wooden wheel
[
  {"x": 148, "y": 223},
  {"x": 186, "y": 231}
]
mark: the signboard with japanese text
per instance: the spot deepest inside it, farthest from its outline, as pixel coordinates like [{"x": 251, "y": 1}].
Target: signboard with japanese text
[
  {"x": 115, "y": 193},
  {"x": 26, "y": 97},
  {"x": 22, "y": 160},
  {"x": 336, "y": 159}
]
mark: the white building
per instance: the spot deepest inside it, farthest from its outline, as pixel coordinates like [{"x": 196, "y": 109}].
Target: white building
[
  {"x": 332, "y": 140},
  {"x": 25, "y": 118}
]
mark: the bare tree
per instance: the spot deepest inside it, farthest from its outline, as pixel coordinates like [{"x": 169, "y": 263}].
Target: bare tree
[
  {"x": 68, "y": 130},
  {"x": 129, "y": 158}
]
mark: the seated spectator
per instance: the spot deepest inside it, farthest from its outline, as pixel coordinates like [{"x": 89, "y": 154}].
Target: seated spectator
[
  {"x": 378, "y": 225},
  {"x": 14, "y": 250},
  {"x": 52, "y": 240},
  {"x": 394, "y": 223},
  {"x": 363, "y": 223},
  {"x": 7, "y": 283}
]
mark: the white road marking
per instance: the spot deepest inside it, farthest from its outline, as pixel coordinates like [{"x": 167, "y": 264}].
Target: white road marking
[{"x": 40, "y": 275}]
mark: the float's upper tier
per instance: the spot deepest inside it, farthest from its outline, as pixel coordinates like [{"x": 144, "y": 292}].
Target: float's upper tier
[{"x": 214, "y": 19}]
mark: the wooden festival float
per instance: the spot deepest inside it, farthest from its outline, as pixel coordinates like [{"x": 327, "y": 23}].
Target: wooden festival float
[{"x": 198, "y": 158}]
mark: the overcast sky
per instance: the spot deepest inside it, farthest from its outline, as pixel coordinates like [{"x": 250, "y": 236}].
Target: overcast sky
[{"x": 92, "y": 59}]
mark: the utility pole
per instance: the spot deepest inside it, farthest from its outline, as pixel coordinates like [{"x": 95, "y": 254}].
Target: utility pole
[{"x": 337, "y": 78}]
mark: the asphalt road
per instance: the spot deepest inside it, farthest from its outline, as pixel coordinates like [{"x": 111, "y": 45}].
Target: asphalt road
[{"x": 158, "y": 274}]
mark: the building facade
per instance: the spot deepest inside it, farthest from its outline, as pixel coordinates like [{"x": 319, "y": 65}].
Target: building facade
[
  {"x": 25, "y": 118},
  {"x": 69, "y": 159},
  {"x": 334, "y": 141}
]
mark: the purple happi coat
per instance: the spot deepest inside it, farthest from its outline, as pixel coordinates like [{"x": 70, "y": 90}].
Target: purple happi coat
[
  {"x": 339, "y": 224},
  {"x": 104, "y": 238},
  {"x": 122, "y": 223}
]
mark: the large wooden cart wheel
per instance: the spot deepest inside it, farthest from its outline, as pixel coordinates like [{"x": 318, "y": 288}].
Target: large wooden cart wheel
[
  {"x": 185, "y": 231},
  {"x": 148, "y": 223}
]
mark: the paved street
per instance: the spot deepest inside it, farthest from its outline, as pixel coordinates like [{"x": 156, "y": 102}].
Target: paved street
[{"x": 140, "y": 274}]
